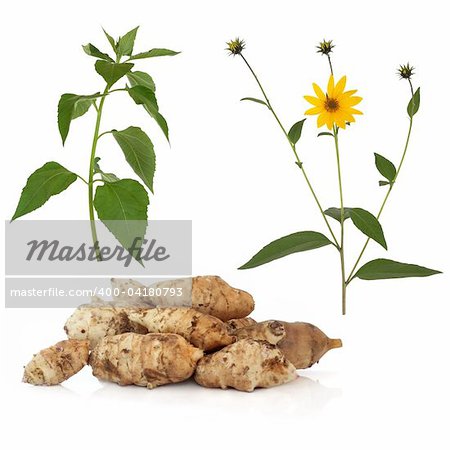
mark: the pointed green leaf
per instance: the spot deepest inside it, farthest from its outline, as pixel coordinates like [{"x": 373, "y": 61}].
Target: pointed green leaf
[
  {"x": 385, "y": 167},
  {"x": 139, "y": 153},
  {"x": 48, "y": 180},
  {"x": 82, "y": 106},
  {"x": 325, "y": 133},
  {"x": 126, "y": 43},
  {"x": 122, "y": 207},
  {"x": 153, "y": 52},
  {"x": 381, "y": 269},
  {"x": 256, "y": 100},
  {"x": 138, "y": 78},
  {"x": 414, "y": 103},
  {"x": 335, "y": 213},
  {"x": 368, "y": 224},
  {"x": 106, "y": 177},
  {"x": 70, "y": 107},
  {"x": 111, "y": 41},
  {"x": 109, "y": 177},
  {"x": 91, "y": 50},
  {"x": 383, "y": 183},
  {"x": 112, "y": 72},
  {"x": 296, "y": 131},
  {"x": 293, "y": 243},
  {"x": 146, "y": 97}
]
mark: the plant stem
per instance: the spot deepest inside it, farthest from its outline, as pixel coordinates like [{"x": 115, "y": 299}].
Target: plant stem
[
  {"x": 294, "y": 149},
  {"x": 329, "y": 62},
  {"x": 350, "y": 277},
  {"x": 91, "y": 176},
  {"x": 341, "y": 246}
]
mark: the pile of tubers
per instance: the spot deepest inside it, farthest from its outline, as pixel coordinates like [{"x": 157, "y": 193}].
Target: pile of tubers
[{"x": 135, "y": 340}]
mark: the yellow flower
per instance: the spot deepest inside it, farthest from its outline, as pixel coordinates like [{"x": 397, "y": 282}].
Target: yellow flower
[{"x": 334, "y": 107}]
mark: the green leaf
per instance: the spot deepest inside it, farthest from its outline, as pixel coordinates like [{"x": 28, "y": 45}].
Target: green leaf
[
  {"x": 91, "y": 50},
  {"x": 122, "y": 207},
  {"x": 414, "y": 103},
  {"x": 325, "y": 133},
  {"x": 335, "y": 213},
  {"x": 368, "y": 224},
  {"x": 381, "y": 269},
  {"x": 125, "y": 43},
  {"x": 112, "y": 72},
  {"x": 139, "y": 153},
  {"x": 111, "y": 41},
  {"x": 256, "y": 100},
  {"x": 385, "y": 167},
  {"x": 109, "y": 177},
  {"x": 146, "y": 97},
  {"x": 70, "y": 107},
  {"x": 106, "y": 177},
  {"x": 48, "y": 180},
  {"x": 296, "y": 131},
  {"x": 154, "y": 52},
  {"x": 138, "y": 78},
  {"x": 383, "y": 183},
  {"x": 82, "y": 107},
  {"x": 293, "y": 243}
]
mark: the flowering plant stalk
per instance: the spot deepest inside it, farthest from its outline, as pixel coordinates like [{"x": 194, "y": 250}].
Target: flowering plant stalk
[
  {"x": 335, "y": 109},
  {"x": 121, "y": 204}
]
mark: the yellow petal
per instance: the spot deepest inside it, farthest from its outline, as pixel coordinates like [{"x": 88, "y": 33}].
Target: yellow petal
[
  {"x": 321, "y": 120},
  {"x": 313, "y": 100},
  {"x": 340, "y": 86},
  {"x": 318, "y": 91},
  {"x": 330, "y": 87},
  {"x": 340, "y": 122},
  {"x": 354, "y": 111},
  {"x": 330, "y": 122},
  {"x": 312, "y": 111},
  {"x": 349, "y": 93}
]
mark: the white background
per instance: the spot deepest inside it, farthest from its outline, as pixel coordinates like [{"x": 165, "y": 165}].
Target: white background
[{"x": 231, "y": 172}]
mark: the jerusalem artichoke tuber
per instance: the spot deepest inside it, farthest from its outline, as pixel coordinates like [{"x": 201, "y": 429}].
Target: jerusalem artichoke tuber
[
  {"x": 202, "y": 330},
  {"x": 149, "y": 360},
  {"x": 57, "y": 363},
  {"x": 271, "y": 331},
  {"x": 207, "y": 294},
  {"x": 245, "y": 365},
  {"x": 305, "y": 344},
  {"x": 94, "y": 323},
  {"x": 237, "y": 324}
]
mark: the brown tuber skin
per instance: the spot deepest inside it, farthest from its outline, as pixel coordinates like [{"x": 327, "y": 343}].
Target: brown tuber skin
[
  {"x": 57, "y": 363},
  {"x": 148, "y": 360},
  {"x": 271, "y": 331},
  {"x": 207, "y": 294},
  {"x": 245, "y": 365},
  {"x": 202, "y": 330},
  {"x": 212, "y": 295},
  {"x": 305, "y": 344},
  {"x": 94, "y": 323},
  {"x": 237, "y": 324}
]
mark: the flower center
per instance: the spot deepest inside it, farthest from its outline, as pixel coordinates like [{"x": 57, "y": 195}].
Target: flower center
[{"x": 331, "y": 104}]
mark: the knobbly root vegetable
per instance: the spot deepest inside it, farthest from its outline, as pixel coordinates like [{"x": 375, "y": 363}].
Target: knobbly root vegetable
[
  {"x": 202, "y": 330},
  {"x": 212, "y": 295},
  {"x": 207, "y": 294},
  {"x": 149, "y": 360},
  {"x": 94, "y": 323},
  {"x": 57, "y": 363},
  {"x": 245, "y": 365},
  {"x": 271, "y": 331},
  {"x": 236, "y": 324},
  {"x": 305, "y": 344}
]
